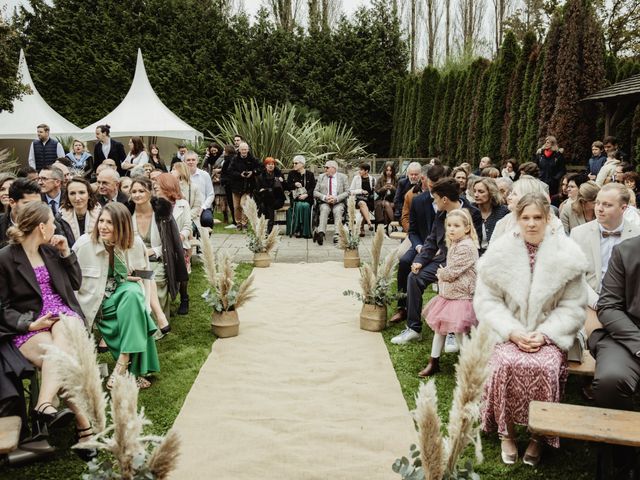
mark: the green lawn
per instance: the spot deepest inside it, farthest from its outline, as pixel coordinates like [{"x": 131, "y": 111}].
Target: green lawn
[
  {"x": 574, "y": 460},
  {"x": 182, "y": 353}
]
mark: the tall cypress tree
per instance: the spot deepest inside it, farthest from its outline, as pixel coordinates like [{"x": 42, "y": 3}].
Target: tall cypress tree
[
  {"x": 549, "y": 84},
  {"x": 445, "y": 113},
  {"x": 528, "y": 90},
  {"x": 435, "y": 116},
  {"x": 393, "y": 150},
  {"x": 493, "y": 118},
  {"x": 477, "y": 114},
  {"x": 474, "y": 78},
  {"x": 530, "y": 138},
  {"x": 428, "y": 86}
]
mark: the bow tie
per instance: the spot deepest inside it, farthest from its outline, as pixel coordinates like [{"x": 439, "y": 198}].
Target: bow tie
[{"x": 606, "y": 234}]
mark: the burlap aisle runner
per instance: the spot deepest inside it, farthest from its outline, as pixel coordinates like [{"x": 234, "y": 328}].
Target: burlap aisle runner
[{"x": 301, "y": 393}]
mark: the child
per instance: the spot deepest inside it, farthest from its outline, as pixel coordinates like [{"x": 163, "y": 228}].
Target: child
[{"x": 452, "y": 309}]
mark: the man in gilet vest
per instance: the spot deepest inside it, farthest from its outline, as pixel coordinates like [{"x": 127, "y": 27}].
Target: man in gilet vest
[{"x": 44, "y": 151}]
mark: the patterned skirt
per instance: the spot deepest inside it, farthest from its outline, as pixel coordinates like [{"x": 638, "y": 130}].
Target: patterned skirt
[{"x": 517, "y": 378}]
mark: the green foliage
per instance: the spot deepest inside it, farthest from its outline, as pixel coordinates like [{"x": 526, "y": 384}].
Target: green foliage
[
  {"x": 477, "y": 114},
  {"x": 10, "y": 86},
  {"x": 411, "y": 469},
  {"x": 525, "y": 144},
  {"x": 428, "y": 86}
]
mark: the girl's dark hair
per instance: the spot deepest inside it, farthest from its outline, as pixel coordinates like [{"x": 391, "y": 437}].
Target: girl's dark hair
[
  {"x": 393, "y": 170},
  {"x": 105, "y": 128},
  {"x": 138, "y": 146},
  {"x": 91, "y": 204}
]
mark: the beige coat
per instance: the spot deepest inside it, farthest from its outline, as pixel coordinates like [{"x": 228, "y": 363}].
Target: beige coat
[
  {"x": 94, "y": 264},
  {"x": 69, "y": 216},
  {"x": 551, "y": 300},
  {"x": 607, "y": 171},
  {"x": 182, "y": 216}
]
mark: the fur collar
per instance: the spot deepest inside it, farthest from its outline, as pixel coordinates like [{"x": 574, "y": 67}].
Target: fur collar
[
  {"x": 505, "y": 266},
  {"x": 161, "y": 208}
]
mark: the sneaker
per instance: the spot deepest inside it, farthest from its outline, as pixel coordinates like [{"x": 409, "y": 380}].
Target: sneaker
[
  {"x": 231, "y": 226},
  {"x": 451, "y": 344},
  {"x": 407, "y": 335}
]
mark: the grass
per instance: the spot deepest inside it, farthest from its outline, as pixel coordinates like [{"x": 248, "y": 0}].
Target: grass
[
  {"x": 574, "y": 460},
  {"x": 182, "y": 353}
]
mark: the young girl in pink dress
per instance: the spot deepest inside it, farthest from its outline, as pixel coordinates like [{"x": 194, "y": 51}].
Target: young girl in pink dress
[{"x": 451, "y": 311}]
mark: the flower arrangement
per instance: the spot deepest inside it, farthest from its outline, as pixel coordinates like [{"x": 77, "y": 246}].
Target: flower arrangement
[
  {"x": 258, "y": 240},
  {"x": 349, "y": 235},
  {"x": 223, "y": 294},
  {"x": 376, "y": 278},
  {"x": 437, "y": 457},
  {"x": 132, "y": 455}
]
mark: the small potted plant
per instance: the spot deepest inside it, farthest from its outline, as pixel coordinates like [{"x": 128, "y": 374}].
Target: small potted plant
[
  {"x": 223, "y": 294},
  {"x": 259, "y": 241},
  {"x": 375, "y": 280},
  {"x": 349, "y": 235}
]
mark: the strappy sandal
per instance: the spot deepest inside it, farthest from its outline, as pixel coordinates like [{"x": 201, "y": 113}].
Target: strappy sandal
[
  {"x": 508, "y": 458},
  {"x": 85, "y": 454},
  {"x": 55, "y": 419},
  {"x": 142, "y": 383},
  {"x": 533, "y": 460},
  {"x": 115, "y": 373}
]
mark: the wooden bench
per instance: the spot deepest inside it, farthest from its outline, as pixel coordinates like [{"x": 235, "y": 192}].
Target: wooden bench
[
  {"x": 398, "y": 235},
  {"x": 395, "y": 224},
  {"x": 9, "y": 433},
  {"x": 617, "y": 427},
  {"x": 587, "y": 368}
]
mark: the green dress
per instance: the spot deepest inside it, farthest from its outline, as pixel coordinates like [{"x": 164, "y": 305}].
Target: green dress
[{"x": 125, "y": 324}]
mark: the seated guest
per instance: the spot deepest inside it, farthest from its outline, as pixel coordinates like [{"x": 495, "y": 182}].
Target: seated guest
[
  {"x": 190, "y": 191},
  {"x": 39, "y": 275},
  {"x": 531, "y": 169},
  {"x": 154, "y": 224},
  {"x": 581, "y": 210},
  {"x": 485, "y": 162},
  {"x": 404, "y": 185},
  {"x": 460, "y": 175},
  {"x": 385, "y": 191},
  {"x": 155, "y": 161},
  {"x": 242, "y": 173},
  {"x": 491, "y": 172},
  {"x": 137, "y": 155},
  {"x": 125, "y": 185},
  {"x": 331, "y": 192},
  {"x": 108, "y": 192},
  {"x": 363, "y": 186},
  {"x": 631, "y": 181},
  {"x": 616, "y": 347},
  {"x": 269, "y": 191},
  {"x": 530, "y": 290},
  {"x": 432, "y": 255},
  {"x": 300, "y": 183},
  {"x": 429, "y": 174},
  {"x": 80, "y": 208},
  {"x": 6, "y": 179},
  {"x": 168, "y": 187},
  {"x": 608, "y": 170},
  {"x": 574, "y": 180},
  {"x": 81, "y": 160},
  {"x": 29, "y": 173},
  {"x": 504, "y": 187},
  {"x": 21, "y": 192},
  {"x": 111, "y": 293},
  {"x": 50, "y": 180},
  {"x": 563, "y": 193},
  {"x": 180, "y": 155},
  {"x": 488, "y": 201},
  {"x": 422, "y": 213},
  {"x": 511, "y": 169},
  {"x": 63, "y": 164},
  {"x": 621, "y": 169}
]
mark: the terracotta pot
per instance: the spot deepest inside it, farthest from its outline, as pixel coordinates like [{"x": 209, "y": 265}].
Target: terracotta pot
[
  {"x": 225, "y": 324},
  {"x": 373, "y": 318},
  {"x": 261, "y": 260},
  {"x": 351, "y": 258}
]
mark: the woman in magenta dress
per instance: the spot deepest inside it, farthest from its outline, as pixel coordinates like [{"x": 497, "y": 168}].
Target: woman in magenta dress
[
  {"x": 39, "y": 275},
  {"x": 531, "y": 291}
]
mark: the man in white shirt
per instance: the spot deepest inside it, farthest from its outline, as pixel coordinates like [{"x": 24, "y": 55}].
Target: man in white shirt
[
  {"x": 44, "y": 151},
  {"x": 50, "y": 180},
  {"x": 203, "y": 181}
]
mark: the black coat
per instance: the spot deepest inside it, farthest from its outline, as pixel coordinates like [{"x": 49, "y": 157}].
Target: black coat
[
  {"x": 552, "y": 169},
  {"x": 116, "y": 153},
  {"x": 307, "y": 180},
  {"x": 421, "y": 216},
  {"x": 490, "y": 223},
  {"x": 121, "y": 198},
  {"x": 435, "y": 248},
  {"x": 62, "y": 228},
  {"x": 270, "y": 190},
  {"x": 19, "y": 290},
  {"x": 238, "y": 183}
]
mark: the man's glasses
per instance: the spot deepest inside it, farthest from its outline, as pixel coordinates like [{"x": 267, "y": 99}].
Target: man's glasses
[{"x": 44, "y": 179}]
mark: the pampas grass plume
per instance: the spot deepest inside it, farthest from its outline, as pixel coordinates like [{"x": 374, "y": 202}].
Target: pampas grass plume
[
  {"x": 164, "y": 458},
  {"x": 245, "y": 292},
  {"x": 429, "y": 437}
]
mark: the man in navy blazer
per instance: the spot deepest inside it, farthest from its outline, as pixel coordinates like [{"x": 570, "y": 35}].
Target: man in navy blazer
[
  {"x": 433, "y": 253},
  {"x": 107, "y": 147},
  {"x": 421, "y": 216}
]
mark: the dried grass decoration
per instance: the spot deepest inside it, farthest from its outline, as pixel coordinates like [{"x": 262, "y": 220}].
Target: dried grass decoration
[
  {"x": 131, "y": 455},
  {"x": 437, "y": 457},
  {"x": 259, "y": 241},
  {"x": 223, "y": 294},
  {"x": 375, "y": 280},
  {"x": 349, "y": 235}
]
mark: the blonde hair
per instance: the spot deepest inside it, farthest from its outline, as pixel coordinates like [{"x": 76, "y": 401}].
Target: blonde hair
[
  {"x": 467, "y": 221},
  {"x": 29, "y": 217},
  {"x": 183, "y": 171},
  {"x": 587, "y": 192}
]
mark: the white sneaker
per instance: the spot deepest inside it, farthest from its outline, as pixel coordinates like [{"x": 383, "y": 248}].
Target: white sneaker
[
  {"x": 407, "y": 335},
  {"x": 231, "y": 226},
  {"x": 451, "y": 344}
]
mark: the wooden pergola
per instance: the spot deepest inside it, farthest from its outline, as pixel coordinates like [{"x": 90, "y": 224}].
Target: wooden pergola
[{"x": 618, "y": 100}]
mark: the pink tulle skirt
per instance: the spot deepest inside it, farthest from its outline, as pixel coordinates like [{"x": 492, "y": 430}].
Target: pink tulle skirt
[{"x": 449, "y": 316}]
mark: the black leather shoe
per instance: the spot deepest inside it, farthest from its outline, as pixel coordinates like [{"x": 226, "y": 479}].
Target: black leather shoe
[
  {"x": 165, "y": 330},
  {"x": 183, "y": 309},
  {"x": 320, "y": 238},
  {"x": 85, "y": 454}
]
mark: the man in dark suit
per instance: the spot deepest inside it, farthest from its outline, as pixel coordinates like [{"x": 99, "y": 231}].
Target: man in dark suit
[
  {"x": 446, "y": 197},
  {"x": 108, "y": 187},
  {"x": 107, "y": 147},
  {"x": 404, "y": 185},
  {"x": 421, "y": 216},
  {"x": 616, "y": 348}
]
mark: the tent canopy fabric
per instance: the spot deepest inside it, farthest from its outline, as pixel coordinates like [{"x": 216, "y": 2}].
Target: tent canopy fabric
[
  {"x": 30, "y": 111},
  {"x": 142, "y": 113}
]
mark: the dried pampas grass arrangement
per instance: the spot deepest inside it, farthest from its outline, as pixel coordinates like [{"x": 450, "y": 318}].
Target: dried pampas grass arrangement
[
  {"x": 124, "y": 438},
  {"x": 349, "y": 234},
  {"x": 439, "y": 455},
  {"x": 223, "y": 294},
  {"x": 259, "y": 241}
]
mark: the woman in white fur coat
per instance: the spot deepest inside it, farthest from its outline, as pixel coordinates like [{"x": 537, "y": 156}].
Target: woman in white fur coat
[{"x": 531, "y": 291}]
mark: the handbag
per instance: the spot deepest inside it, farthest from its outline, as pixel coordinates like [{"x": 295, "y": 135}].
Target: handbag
[{"x": 299, "y": 191}]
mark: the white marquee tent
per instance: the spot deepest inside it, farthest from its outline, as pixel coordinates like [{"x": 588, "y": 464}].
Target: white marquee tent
[
  {"x": 30, "y": 111},
  {"x": 142, "y": 113}
]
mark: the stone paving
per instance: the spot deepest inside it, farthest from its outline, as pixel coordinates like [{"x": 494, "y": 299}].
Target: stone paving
[{"x": 297, "y": 250}]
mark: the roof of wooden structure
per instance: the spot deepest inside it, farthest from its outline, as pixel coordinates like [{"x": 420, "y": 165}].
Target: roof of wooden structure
[{"x": 629, "y": 87}]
